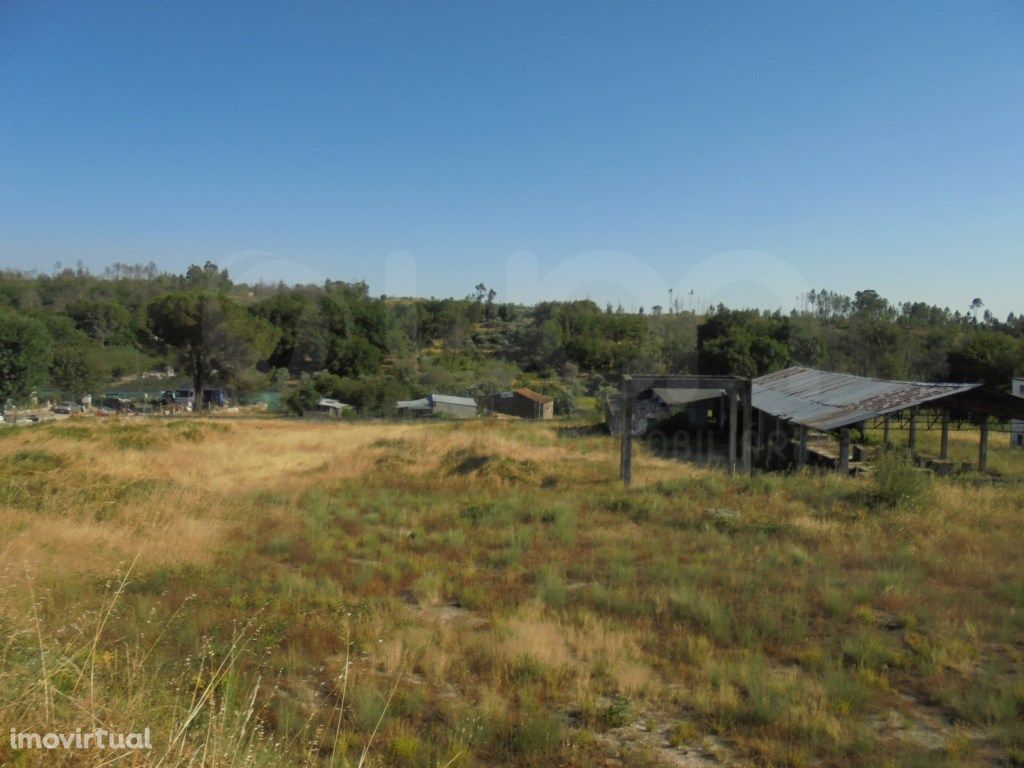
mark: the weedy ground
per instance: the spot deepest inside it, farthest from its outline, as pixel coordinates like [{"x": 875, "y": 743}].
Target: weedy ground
[{"x": 275, "y": 592}]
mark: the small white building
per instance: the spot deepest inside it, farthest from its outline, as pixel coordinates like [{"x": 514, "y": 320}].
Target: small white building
[
  {"x": 438, "y": 405},
  {"x": 1017, "y": 426},
  {"x": 327, "y": 408}
]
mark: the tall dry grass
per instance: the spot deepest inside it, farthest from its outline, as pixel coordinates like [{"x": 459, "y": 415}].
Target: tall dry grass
[{"x": 276, "y": 592}]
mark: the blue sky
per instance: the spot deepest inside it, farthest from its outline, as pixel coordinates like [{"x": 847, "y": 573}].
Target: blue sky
[{"x": 744, "y": 151}]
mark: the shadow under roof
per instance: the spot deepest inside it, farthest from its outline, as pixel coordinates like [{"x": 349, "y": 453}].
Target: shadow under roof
[{"x": 684, "y": 396}]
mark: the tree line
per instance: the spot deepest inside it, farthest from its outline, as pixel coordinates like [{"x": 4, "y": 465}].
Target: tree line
[{"x": 76, "y": 332}]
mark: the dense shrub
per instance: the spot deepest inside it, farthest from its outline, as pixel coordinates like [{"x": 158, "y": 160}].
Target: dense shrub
[{"x": 898, "y": 483}]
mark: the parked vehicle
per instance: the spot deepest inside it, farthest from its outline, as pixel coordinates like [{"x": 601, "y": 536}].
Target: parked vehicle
[
  {"x": 213, "y": 397},
  {"x": 68, "y": 408},
  {"x": 116, "y": 403}
]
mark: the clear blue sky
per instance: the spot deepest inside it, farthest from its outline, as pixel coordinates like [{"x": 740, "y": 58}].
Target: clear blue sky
[{"x": 745, "y": 151}]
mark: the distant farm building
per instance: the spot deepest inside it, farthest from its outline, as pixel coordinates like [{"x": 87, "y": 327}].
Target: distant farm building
[
  {"x": 522, "y": 402},
  {"x": 799, "y": 417},
  {"x": 1017, "y": 425},
  {"x": 438, "y": 405},
  {"x": 327, "y": 408}
]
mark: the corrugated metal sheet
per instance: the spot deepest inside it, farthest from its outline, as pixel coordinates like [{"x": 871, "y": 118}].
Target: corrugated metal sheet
[
  {"x": 452, "y": 400},
  {"x": 423, "y": 404},
  {"x": 329, "y": 403},
  {"x": 826, "y": 401},
  {"x": 679, "y": 396}
]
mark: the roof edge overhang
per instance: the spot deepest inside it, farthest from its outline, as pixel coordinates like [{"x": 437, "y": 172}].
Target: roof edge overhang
[{"x": 826, "y": 401}]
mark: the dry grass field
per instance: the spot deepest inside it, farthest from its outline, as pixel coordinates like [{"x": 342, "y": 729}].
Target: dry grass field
[{"x": 271, "y": 593}]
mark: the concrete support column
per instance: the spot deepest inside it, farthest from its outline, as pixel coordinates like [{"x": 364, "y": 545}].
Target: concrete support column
[
  {"x": 801, "y": 459},
  {"x": 626, "y": 456},
  {"x": 748, "y": 430},
  {"x": 844, "y": 451},
  {"x": 912, "y": 439},
  {"x": 733, "y": 418},
  {"x": 983, "y": 446},
  {"x": 762, "y": 440},
  {"x": 944, "y": 445}
]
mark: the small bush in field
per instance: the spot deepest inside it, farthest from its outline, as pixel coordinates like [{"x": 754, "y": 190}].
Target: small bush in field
[
  {"x": 551, "y": 588},
  {"x": 616, "y": 714},
  {"x": 898, "y": 484},
  {"x": 682, "y": 733},
  {"x": 407, "y": 750}
]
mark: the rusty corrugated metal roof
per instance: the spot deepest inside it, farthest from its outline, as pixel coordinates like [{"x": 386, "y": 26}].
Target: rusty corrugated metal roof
[
  {"x": 529, "y": 394},
  {"x": 826, "y": 401}
]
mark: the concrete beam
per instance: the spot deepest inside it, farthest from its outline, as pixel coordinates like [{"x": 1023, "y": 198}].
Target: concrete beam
[
  {"x": 748, "y": 430},
  {"x": 983, "y": 447},
  {"x": 944, "y": 445},
  {"x": 626, "y": 455},
  {"x": 733, "y": 430}
]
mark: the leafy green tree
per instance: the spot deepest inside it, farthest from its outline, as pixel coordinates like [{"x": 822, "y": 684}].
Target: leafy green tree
[
  {"x": 24, "y": 354},
  {"x": 78, "y": 369},
  {"x": 354, "y": 356},
  {"x": 207, "y": 277},
  {"x": 743, "y": 353},
  {"x": 742, "y": 343},
  {"x": 870, "y": 305},
  {"x": 294, "y": 314},
  {"x": 566, "y": 403},
  {"x": 987, "y": 356},
  {"x": 107, "y": 321},
  {"x": 215, "y": 338},
  {"x": 312, "y": 388}
]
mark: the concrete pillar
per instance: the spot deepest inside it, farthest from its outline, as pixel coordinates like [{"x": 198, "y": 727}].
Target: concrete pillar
[
  {"x": 912, "y": 439},
  {"x": 844, "y": 451},
  {"x": 944, "y": 446},
  {"x": 983, "y": 446},
  {"x": 748, "y": 430},
  {"x": 762, "y": 438},
  {"x": 626, "y": 457},
  {"x": 886, "y": 440},
  {"x": 802, "y": 455},
  {"x": 733, "y": 431}
]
